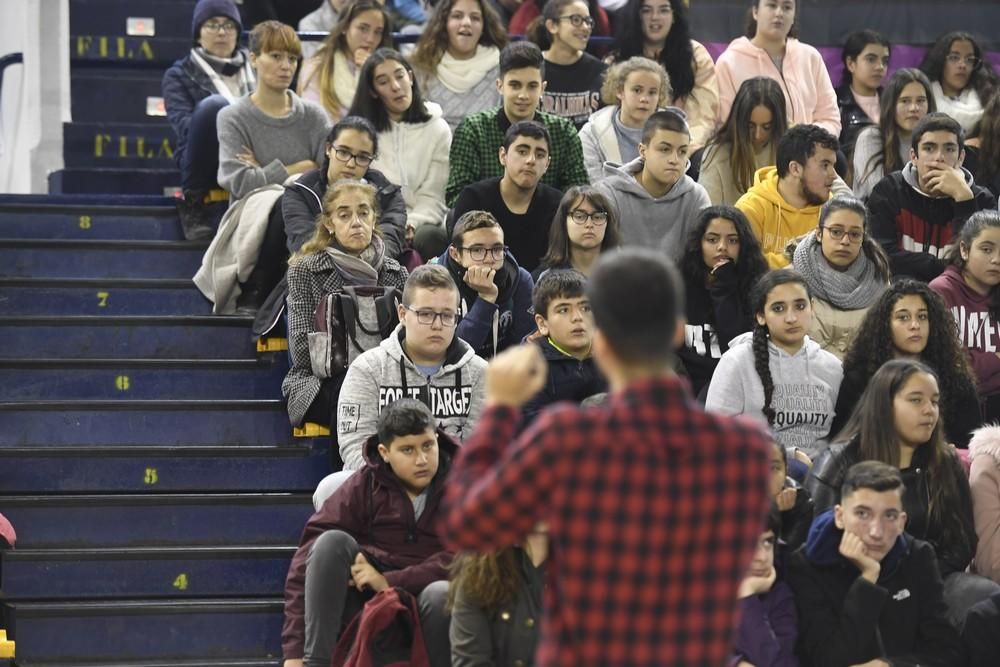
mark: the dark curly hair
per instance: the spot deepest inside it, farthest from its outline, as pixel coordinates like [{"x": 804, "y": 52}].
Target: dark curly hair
[
  {"x": 872, "y": 345},
  {"x": 761, "y": 355},
  {"x": 750, "y": 264},
  {"x": 676, "y": 56},
  {"x": 983, "y": 80}
]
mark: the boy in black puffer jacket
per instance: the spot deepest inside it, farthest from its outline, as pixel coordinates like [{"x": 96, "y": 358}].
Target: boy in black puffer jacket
[{"x": 562, "y": 314}]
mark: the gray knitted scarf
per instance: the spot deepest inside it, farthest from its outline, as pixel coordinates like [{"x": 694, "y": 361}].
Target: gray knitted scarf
[
  {"x": 361, "y": 270},
  {"x": 857, "y": 287}
]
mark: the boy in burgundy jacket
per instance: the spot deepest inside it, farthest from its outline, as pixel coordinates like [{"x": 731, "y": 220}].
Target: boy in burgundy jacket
[{"x": 375, "y": 531}]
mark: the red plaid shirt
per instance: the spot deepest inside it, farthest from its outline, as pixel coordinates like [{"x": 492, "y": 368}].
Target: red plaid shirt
[{"x": 654, "y": 508}]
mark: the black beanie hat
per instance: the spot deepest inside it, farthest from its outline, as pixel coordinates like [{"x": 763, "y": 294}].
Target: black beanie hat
[{"x": 206, "y": 9}]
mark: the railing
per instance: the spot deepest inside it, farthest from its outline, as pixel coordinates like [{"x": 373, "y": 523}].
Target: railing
[
  {"x": 8, "y": 60},
  {"x": 410, "y": 38}
]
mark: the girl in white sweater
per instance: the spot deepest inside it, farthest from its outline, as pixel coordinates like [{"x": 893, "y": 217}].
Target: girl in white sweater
[{"x": 413, "y": 138}]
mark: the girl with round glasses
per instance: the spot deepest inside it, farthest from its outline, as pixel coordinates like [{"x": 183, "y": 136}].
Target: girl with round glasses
[
  {"x": 584, "y": 226},
  {"x": 962, "y": 78},
  {"x": 345, "y": 250},
  {"x": 573, "y": 77},
  {"x": 846, "y": 271}
]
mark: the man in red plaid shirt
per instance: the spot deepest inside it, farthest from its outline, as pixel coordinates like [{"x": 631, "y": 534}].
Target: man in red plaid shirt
[{"x": 653, "y": 506}]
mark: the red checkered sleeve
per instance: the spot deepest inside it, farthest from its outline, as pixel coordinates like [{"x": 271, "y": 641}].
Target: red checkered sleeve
[{"x": 498, "y": 486}]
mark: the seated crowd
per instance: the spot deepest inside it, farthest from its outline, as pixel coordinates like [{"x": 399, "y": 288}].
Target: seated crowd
[{"x": 840, "y": 257}]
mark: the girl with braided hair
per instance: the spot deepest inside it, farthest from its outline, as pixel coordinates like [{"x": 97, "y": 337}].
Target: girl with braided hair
[{"x": 776, "y": 372}]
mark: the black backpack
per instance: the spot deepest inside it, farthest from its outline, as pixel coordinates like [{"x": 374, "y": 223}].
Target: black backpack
[{"x": 349, "y": 322}]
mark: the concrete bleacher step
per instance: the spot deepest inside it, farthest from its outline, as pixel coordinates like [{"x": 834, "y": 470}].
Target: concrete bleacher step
[
  {"x": 118, "y": 145},
  {"x": 128, "y": 422},
  {"x": 101, "y": 296},
  {"x": 101, "y": 337},
  {"x": 117, "y": 96},
  {"x": 73, "y": 258},
  {"x": 125, "y": 181},
  {"x": 297, "y": 467},
  {"x": 99, "y": 633},
  {"x": 138, "y": 218},
  {"x": 176, "y": 572},
  {"x": 142, "y": 379},
  {"x": 161, "y": 520}
]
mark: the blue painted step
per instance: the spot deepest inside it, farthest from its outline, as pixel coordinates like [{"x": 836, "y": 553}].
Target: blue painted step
[
  {"x": 106, "y": 521},
  {"x": 124, "y": 422},
  {"x": 296, "y": 467},
  {"x": 141, "y": 379},
  {"x": 119, "y": 96},
  {"x": 119, "y": 145},
  {"x": 68, "y": 258},
  {"x": 178, "y": 572},
  {"x": 102, "y": 337},
  {"x": 122, "y": 181},
  {"x": 172, "y": 17},
  {"x": 98, "y": 633},
  {"x": 111, "y": 50},
  {"x": 47, "y": 296},
  {"x": 90, "y": 221}
]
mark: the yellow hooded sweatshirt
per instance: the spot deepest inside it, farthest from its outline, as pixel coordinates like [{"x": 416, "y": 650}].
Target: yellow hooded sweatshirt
[{"x": 774, "y": 222}]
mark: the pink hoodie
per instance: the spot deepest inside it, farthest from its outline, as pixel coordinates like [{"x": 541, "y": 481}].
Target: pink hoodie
[
  {"x": 809, "y": 94},
  {"x": 977, "y": 331}
]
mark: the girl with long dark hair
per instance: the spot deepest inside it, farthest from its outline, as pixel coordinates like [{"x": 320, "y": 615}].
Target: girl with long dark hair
[
  {"x": 415, "y": 139},
  {"x": 745, "y": 142},
  {"x": 721, "y": 263},
  {"x": 982, "y": 148},
  {"x": 884, "y": 148},
  {"x": 897, "y": 422},
  {"x": 961, "y": 76},
  {"x": 970, "y": 287},
  {"x": 661, "y": 30},
  {"x": 909, "y": 320},
  {"x": 865, "y": 57},
  {"x": 777, "y": 373}
]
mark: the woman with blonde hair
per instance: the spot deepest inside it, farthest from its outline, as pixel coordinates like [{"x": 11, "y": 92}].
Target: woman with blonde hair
[
  {"x": 345, "y": 250},
  {"x": 330, "y": 77},
  {"x": 457, "y": 59},
  {"x": 633, "y": 89}
]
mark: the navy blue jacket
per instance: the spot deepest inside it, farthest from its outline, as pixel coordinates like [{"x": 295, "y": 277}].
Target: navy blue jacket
[
  {"x": 184, "y": 85},
  {"x": 568, "y": 379}
]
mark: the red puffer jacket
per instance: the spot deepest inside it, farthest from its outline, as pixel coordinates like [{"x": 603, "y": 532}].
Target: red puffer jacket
[{"x": 372, "y": 507}]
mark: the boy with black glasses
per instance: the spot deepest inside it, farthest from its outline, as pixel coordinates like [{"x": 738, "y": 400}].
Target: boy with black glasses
[{"x": 494, "y": 292}]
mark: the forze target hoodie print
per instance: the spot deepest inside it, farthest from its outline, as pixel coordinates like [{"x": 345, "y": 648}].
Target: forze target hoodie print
[
  {"x": 806, "y": 385},
  {"x": 385, "y": 374}
]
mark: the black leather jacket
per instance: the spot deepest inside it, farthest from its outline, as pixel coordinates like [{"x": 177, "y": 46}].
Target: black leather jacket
[
  {"x": 853, "y": 118},
  {"x": 954, "y": 540}
]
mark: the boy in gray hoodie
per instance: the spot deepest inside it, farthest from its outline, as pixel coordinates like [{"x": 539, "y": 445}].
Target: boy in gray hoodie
[
  {"x": 657, "y": 201},
  {"x": 421, "y": 359}
]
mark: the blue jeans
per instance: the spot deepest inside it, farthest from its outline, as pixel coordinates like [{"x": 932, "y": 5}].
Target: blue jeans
[{"x": 199, "y": 156}]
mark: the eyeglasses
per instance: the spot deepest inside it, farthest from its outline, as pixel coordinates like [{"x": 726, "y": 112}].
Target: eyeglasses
[
  {"x": 360, "y": 159},
  {"x": 347, "y": 217},
  {"x": 837, "y": 234},
  {"x": 216, "y": 26},
  {"x": 956, "y": 58},
  {"x": 577, "y": 20},
  {"x": 427, "y": 316},
  {"x": 478, "y": 252},
  {"x": 580, "y": 217}
]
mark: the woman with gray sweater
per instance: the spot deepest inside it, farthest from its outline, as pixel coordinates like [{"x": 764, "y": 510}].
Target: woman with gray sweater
[{"x": 270, "y": 134}]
